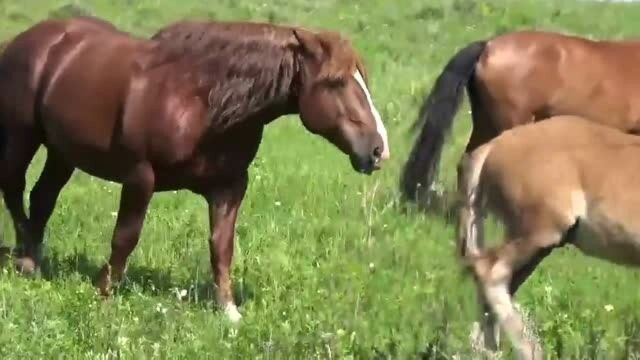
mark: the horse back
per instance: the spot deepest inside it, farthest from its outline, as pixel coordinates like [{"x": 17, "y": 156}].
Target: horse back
[
  {"x": 99, "y": 69},
  {"x": 541, "y": 74},
  {"x": 130, "y": 103}
]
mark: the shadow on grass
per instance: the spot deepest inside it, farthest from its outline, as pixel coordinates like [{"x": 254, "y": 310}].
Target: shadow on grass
[
  {"x": 436, "y": 346},
  {"x": 632, "y": 338},
  {"x": 138, "y": 278},
  {"x": 444, "y": 205}
]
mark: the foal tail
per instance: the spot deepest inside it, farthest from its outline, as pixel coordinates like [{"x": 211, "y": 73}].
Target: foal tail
[
  {"x": 471, "y": 225},
  {"x": 436, "y": 118}
]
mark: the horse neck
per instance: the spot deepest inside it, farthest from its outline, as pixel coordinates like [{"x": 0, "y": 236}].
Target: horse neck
[{"x": 254, "y": 100}]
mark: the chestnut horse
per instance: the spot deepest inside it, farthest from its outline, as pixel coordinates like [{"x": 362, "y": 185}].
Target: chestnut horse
[
  {"x": 184, "y": 110},
  {"x": 565, "y": 181},
  {"x": 518, "y": 78}
]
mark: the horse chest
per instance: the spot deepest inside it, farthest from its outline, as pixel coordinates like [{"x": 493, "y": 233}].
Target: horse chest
[{"x": 603, "y": 236}]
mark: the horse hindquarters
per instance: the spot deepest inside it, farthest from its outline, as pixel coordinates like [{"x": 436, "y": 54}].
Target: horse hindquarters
[
  {"x": 21, "y": 65},
  {"x": 539, "y": 213}
]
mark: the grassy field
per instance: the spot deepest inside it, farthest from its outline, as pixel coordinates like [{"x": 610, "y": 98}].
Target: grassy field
[{"x": 327, "y": 265}]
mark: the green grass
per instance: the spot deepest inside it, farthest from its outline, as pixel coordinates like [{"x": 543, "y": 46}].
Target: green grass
[{"x": 326, "y": 264}]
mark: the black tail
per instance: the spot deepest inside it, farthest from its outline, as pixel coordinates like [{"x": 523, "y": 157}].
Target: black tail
[{"x": 436, "y": 117}]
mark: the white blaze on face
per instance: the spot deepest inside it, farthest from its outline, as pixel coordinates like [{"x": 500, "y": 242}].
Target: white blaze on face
[{"x": 376, "y": 115}]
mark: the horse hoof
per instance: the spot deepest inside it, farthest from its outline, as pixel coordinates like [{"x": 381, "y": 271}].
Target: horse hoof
[
  {"x": 232, "y": 313},
  {"x": 477, "y": 337},
  {"x": 26, "y": 265},
  {"x": 103, "y": 283}
]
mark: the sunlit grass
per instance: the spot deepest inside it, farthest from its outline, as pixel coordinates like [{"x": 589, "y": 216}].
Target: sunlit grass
[{"x": 327, "y": 265}]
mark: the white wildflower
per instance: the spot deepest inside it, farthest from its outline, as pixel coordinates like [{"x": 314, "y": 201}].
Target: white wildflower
[
  {"x": 161, "y": 309},
  {"x": 122, "y": 341}
]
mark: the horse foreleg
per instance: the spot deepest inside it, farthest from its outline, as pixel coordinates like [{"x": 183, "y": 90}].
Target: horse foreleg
[
  {"x": 42, "y": 201},
  {"x": 136, "y": 194},
  {"x": 224, "y": 204}
]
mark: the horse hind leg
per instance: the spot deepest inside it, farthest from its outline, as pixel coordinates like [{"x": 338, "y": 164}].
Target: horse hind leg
[
  {"x": 42, "y": 201},
  {"x": 500, "y": 271},
  {"x": 483, "y": 130},
  {"x": 20, "y": 148}
]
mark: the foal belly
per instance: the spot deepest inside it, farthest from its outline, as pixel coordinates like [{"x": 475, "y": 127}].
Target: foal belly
[{"x": 609, "y": 239}]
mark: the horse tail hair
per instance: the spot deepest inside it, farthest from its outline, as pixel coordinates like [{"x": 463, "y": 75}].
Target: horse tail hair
[
  {"x": 471, "y": 224},
  {"x": 436, "y": 118}
]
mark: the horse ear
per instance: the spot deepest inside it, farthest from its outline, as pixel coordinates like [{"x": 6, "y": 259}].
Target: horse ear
[{"x": 309, "y": 43}]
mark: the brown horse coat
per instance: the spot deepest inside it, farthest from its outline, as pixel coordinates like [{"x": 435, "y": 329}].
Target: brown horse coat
[
  {"x": 184, "y": 110},
  {"x": 566, "y": 180},
  {"x": 522, "y": 77}
]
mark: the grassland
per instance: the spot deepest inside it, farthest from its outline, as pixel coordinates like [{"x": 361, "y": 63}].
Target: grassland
[{"x": 327, "y": 264}]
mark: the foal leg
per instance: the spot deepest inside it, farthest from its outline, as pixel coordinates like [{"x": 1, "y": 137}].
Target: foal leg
[
  {"x": 495, "y": 271},
  {"x": 488, "y": 330},
  {"x": 224, "y": 204},
  {"x": 520, "y": 276},
  {"x": 43, "y": 197},
  {"x": 136, "y": 194},
  {"x": 20, "y": 149}
]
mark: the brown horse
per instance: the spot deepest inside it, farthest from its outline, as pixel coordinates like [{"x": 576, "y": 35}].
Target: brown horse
[
  {"x": 522, "y": 77},
  {"x": 565, "y": 181},
  {"x": 185, "y": 110}
]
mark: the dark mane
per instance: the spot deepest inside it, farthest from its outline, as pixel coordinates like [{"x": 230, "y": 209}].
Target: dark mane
[
  {"x": 243, "y": 67},
  {"x": 238, "y": 68}
]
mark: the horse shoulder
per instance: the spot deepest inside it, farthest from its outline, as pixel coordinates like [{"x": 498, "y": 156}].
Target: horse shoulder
[{"x": 174, "y": 115}]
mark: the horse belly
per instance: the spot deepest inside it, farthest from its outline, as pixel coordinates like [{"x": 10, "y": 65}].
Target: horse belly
[
  {"x": 609, "y": 238},
  {"x": 108, "y": 164}
]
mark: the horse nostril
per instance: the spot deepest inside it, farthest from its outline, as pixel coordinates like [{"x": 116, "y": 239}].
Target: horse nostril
[{"x": 377, "y": 152}]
